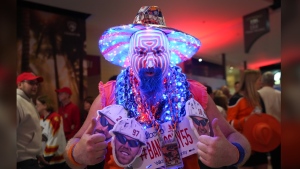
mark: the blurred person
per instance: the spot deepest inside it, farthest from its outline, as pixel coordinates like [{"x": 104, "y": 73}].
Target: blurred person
[
  {"x": 152, "y": 78},
  {"x": 272, "y": 100},
  {"x": 220, "y": 104},
  {"x": 69, "y": 111},
  {"x": 226, "y": 91},
  {"x": 217, "y": 92},
  {"x": 29, "y": 134},
  {"x": 270, "y": 96},
  {"x": 53, "y": 137},
  {"x": 221, "y": 100},
  {"x": 247, "y": 101},
  {"x": 236, "y": 86},
  {"x": 87, "y": 102},
  {"x": 209, "y": 91}
]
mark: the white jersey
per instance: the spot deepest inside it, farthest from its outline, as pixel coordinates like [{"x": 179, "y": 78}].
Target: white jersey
[{"x": 53, "y": 138}]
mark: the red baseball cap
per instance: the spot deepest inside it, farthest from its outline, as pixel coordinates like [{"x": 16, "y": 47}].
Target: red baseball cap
[
  {"x": 28, "y": 76},
  {"x": 64, "y": 90}
]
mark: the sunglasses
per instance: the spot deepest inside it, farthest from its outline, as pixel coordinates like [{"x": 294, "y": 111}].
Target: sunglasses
[
  {"x": 198, "y": 122},
  {"x": 122, "y": 139},
  {"x": 103, "y": 121},
  {"x": 32, "y": 83}
]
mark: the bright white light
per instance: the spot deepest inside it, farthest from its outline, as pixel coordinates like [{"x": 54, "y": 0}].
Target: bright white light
[
  {"x": 200, "y": 60},
  {"x": 277, "y": 77}
]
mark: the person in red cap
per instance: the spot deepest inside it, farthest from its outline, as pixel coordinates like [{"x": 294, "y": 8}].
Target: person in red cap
[
  {"x": 69, "y": 111},
  {"x": 29, "y": 135}
]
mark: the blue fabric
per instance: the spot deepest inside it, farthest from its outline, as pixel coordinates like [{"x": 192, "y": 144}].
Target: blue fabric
[{"x": 241, "y": 152}]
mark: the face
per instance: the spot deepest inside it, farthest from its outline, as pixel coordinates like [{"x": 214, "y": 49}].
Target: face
[
  {"x": 29, "y": 87},
  {"x": 40, "y": 107},
  {"x": 149, "y": 49},
  {"x": 258, "y": 83},
  {"x": 126, "y": 148},
  {"x": 236, "y": 87},
  {"x": 201, "y": 124},
  {"x": 86, "y": 106},
  {"x": 104, "y": 126},
  {"x": 63, "y": 96}
]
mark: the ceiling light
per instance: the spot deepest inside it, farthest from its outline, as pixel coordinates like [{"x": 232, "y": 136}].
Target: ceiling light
[{"x": 200, "y": 60}]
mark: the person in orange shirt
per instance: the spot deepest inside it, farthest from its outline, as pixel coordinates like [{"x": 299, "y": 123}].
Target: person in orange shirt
[
  {"x": 245, "y": 102},
  {"x": 154, "y": 91}
]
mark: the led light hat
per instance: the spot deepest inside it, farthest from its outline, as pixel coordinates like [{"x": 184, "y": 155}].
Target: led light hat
[
  {"x": 130, "y": 127},
  {"x": 114, "y": 42},
  {"x": 114, "y": 112}
]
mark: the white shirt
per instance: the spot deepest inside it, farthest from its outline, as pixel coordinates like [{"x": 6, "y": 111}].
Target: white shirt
[{"x": 272, "y": 101}]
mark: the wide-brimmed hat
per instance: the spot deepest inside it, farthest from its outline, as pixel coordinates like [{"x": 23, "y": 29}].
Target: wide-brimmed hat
[
  {"x": 114, "y": 42},
  {"x": 263, "y": 131}
]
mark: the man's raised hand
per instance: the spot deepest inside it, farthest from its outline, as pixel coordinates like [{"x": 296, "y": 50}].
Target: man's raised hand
[
  {"x": 91, "y": 148},
  {"x": 215, "y": 151}
]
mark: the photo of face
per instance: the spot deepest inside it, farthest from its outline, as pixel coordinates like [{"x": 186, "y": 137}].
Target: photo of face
[
  {"x": 201, "y": 125},
  {"x": 104, "y": 125},
  {"x": 126, "y": 148}
]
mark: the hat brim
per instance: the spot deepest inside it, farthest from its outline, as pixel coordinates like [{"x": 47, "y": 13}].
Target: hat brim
[
  {"x": 38, "y": 78},
  {"x": 120, "y": 132},
  {"x": 101, "y": 113},
  {"x": 63, "y": 91},
  {"x": 272, "y": 122},
  {"x": 114, "y": 43}
]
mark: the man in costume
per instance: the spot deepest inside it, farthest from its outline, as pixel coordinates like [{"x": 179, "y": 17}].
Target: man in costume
[{"x": 154, "y": 91}]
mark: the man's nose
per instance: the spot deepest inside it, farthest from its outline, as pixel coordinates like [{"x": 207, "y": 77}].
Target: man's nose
[
  {"x": 150, "y": 63},
  {"x": 127, "y": 144}
]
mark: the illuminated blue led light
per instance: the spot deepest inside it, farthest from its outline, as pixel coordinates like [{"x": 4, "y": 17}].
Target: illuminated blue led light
[{"x": 182, "y": 45}]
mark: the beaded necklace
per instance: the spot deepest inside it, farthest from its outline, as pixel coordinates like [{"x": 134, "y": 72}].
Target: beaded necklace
[{"x": 169, "y": 108}]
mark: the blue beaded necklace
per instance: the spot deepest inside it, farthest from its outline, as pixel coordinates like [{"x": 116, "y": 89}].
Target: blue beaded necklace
[{"x": 169, "y": 108}]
